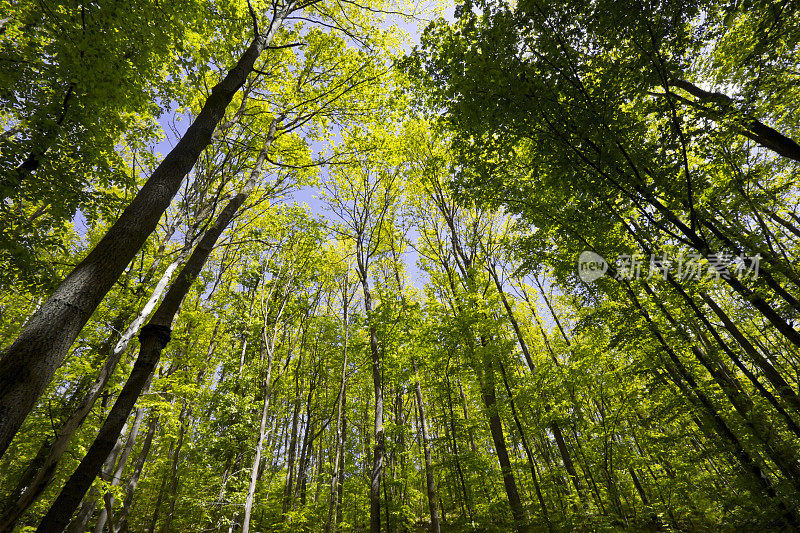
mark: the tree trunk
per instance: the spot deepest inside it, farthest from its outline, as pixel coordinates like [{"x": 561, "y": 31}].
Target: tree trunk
[
  {"x": 330, "y": 525},
  {"x": 46, "y": 469},
  {"x": 116, "y": 475},
  {"x": 528, "y": 453},
  {"x": 122, "y": 518},
  {"x": 429, "y": 482},
  {"x": 251, "y": 489},
  {"x": 28, "y": 365},
  {"x": 153, "y": 338},
  {"x": 380, "y": 446},
  {"x": 489, "y": 397}
]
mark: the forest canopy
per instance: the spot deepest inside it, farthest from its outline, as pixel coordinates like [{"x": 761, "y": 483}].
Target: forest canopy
[{"x": 345, "y": 265}]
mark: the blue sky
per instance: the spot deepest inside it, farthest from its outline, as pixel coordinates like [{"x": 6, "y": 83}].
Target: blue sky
[{"x": 173, "y": 126}]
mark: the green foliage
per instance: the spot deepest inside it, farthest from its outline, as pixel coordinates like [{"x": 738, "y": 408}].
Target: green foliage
[{"x": 460, "y": 183}]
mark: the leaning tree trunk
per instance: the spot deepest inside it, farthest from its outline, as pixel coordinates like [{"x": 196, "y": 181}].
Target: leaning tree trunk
[
  {"x": 116, "y": 474},
  {"x": 130, "y": 488},
  {"x": 153, "y": 338},
  {"x": 28, "y": 365},
  {"x": 25, "y": 496}
]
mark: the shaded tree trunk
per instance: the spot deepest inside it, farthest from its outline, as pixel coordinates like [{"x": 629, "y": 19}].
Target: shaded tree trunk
[
  {"x": 28, "y": 365},
  {"x": 153, "y": 338}
]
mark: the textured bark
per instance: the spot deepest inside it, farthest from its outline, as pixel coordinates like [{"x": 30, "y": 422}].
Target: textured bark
[
  {"x": 153, "y": 338},
  {"x": 116, "y": 475},
  {"x": 28, "y": 365},
  {"x": 24, "y": 497}
]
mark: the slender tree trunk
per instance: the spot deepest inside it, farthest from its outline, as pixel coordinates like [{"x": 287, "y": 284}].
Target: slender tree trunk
[
  {"x": 454, "y": 435},
  {"x": 89, "y": 502},
  {"x": 292, "y": 451},
  {"x": 340, "y": 482},
  {"x": 686, "y": 382},
  {"x": 174, "y": 476},
  {"x": 430, "y": 485},
  {"x": 380, "y": 446},
  {"x": 555, "y": 428},
  {"x": 116, "y": 475},
  {"x": 489, "y": 397},
  {"x": 122, "y": 518},
  {"x": 531, "y": 461},
  {"x": 251, "y": 489},
  {"x": 338, "y": 466}
]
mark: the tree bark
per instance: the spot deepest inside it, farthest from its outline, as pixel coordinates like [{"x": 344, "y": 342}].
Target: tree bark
[
  {"x": 380, "y": 446},
  {"x": 430, "y": 486},
  {"x": 24, "y": 497},
  {"x": 28, "y": 365},
  {"x": 489, "y": 397},
  {"x": 116, "y": 475},
  {"x": 153, "y": 338},
  {"x": 122, "y": 518},
  {"x": 251, "y": 489},
  {"x": 330, "y": 525}
]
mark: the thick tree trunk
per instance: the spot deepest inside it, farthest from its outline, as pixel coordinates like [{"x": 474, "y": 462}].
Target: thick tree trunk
[
  {"x": 153, "y": 338},
  {"x": 28, "y": 365}
]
